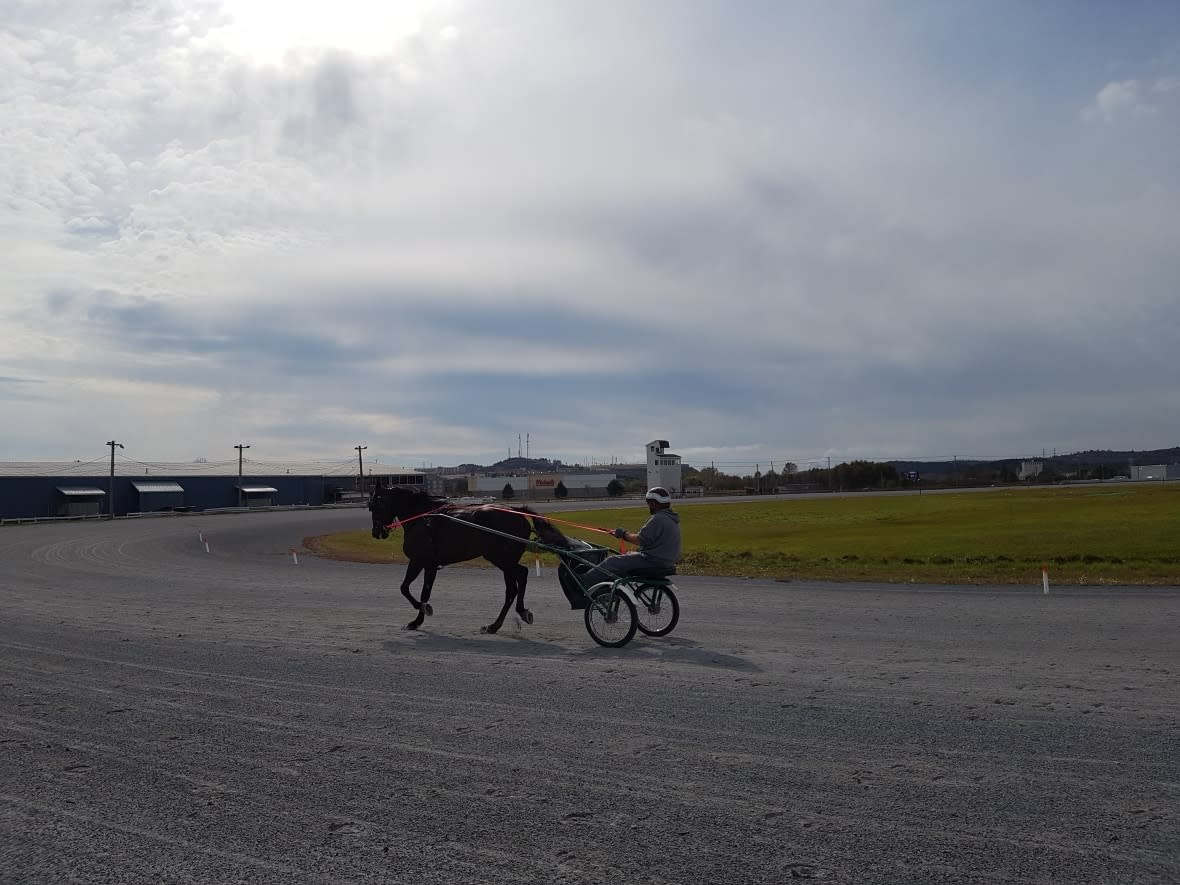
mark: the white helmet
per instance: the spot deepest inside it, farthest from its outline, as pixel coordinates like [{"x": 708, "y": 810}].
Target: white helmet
[{"x": 659, "y": 495}]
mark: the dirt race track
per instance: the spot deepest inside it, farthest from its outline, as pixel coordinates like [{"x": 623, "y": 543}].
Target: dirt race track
[{"x": 169, "y": 714}]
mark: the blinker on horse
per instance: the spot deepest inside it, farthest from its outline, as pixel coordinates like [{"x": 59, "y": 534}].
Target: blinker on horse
[{"x": 437, "y": 533}]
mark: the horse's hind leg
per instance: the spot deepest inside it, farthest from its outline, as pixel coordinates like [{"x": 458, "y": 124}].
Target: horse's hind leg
[
  {"x": 427, "y": 586},
  {"x": 511, "y": 591},
  {"x": 522, "y": 581}
]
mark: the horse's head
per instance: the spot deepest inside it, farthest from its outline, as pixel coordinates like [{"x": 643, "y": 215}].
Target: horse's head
[
  {"x": 380, "y": 509},
  {"x": 394, "y": 504}
]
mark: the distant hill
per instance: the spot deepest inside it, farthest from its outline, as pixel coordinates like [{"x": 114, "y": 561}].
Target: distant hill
[
  {"x": 1108, "y": 460},
  {"x": 532, "y": 465}
]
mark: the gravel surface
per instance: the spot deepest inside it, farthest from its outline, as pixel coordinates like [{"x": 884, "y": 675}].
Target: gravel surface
[{"x": 169, "y": 714}]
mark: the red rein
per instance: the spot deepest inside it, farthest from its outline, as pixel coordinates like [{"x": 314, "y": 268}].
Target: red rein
[{"x": 398, "y": 523}]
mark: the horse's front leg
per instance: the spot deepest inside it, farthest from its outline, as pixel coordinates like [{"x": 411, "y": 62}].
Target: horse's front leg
[
  {"x": 412, "y": 571},
  {"x": 431, "y": 570},
  {"x": 523, "y": 579},
  {"x": 513, "y": 588}
]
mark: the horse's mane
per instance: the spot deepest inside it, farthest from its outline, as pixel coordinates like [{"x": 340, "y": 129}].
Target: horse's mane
[{"x": 546, "y": 531}]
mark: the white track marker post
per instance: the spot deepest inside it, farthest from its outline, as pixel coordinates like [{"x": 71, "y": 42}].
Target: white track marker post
[
  {"x": 294, "y": 556},
  {"x": 204, "y": 540},
  {"x": 1045, "y": 578},
  {"x": 538, "y": 561}
]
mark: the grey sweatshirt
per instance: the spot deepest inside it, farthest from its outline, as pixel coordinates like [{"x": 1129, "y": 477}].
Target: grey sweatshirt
[{"x": 659, "y": 539}]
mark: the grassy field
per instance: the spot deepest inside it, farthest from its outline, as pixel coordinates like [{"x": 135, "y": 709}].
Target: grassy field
[{"x": 1125, "y": 534}]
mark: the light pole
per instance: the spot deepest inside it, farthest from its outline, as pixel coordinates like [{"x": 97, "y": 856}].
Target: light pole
[
  {"x": 241, "y": 495},
  {"x": 360, "y": 482},
  {"x": 111, "y": 503}
]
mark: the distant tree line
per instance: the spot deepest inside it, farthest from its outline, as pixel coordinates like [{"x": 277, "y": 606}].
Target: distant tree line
[{"x": 866, "y": 475}]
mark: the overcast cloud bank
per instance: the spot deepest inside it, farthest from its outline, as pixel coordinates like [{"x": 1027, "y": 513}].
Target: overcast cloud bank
[{"x": 769, "y": 230}]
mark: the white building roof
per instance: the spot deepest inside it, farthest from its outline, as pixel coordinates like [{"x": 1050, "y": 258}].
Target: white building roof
[{"x": 157, "y": 487}]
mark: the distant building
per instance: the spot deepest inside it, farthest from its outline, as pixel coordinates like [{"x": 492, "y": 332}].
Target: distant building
[
  {"x": 431, "y": 483},
  {"x": 663, "y": 468},
  {"x": 1157, "y": 472},
  {"x": 1030, "y": 469},
  {"x": 72, "y": 489},
  {"x": 541, "y": 485}
]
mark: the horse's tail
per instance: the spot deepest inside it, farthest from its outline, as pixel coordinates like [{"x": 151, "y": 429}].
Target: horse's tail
[{"x": 546, "y": 532}]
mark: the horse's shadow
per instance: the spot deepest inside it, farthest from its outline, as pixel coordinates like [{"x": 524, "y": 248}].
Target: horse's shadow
[
  {"x": 672, "y": 650},
  {"x": 500, "y": 644}
]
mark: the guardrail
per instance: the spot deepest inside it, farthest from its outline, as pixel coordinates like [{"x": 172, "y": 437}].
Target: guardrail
[{"x": 166, "y": 514}]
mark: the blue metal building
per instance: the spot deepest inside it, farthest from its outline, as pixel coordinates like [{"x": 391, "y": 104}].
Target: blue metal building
[{"x": 50, "y": 490}]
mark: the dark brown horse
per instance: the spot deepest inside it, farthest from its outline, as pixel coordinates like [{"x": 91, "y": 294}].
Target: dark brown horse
[{"x": 438, "y": 534}]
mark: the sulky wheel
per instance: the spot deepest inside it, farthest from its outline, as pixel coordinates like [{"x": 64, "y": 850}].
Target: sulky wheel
[
  {"x": 657, "y": 609},
  {"x": 610, "y": 617}
]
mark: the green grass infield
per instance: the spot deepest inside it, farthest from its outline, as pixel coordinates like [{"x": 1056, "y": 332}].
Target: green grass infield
[{"x": 1093, "y": 534}]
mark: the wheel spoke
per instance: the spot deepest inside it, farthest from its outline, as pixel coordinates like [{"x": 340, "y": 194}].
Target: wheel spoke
[
  {"x": 658, "y": 610},
  {"x": 610, "y": 618}
]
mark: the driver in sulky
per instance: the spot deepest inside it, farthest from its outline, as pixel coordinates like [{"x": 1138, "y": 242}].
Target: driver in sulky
[{"x": 658, "y": 541}]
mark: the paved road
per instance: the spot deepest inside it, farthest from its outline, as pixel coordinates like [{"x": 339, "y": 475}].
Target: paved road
[{"x": 171, "y": 715}]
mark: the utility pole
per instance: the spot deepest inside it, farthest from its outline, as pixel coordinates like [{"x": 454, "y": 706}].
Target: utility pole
[
  {"x": 360, "y": 483},
  {"x": 111, "y": 496},
  {"x": 241, "y": 495}
]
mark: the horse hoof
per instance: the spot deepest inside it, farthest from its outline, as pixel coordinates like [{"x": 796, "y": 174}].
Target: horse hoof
[
  {"x": 413, "y": 625},
  {"x": 527, "y": 616},
  {"x": 426, "y": 609},
  {"x": 490, "y": 628}
]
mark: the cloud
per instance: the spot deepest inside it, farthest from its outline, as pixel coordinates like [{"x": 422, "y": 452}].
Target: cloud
[
  {"x": 1116, "y": 99},
  {"x": 1132, "y": 98},
  {"x": 775, "y": 230}
]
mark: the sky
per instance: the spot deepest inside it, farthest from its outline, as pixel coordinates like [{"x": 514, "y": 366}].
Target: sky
[{"x": 454, "y": 232}]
